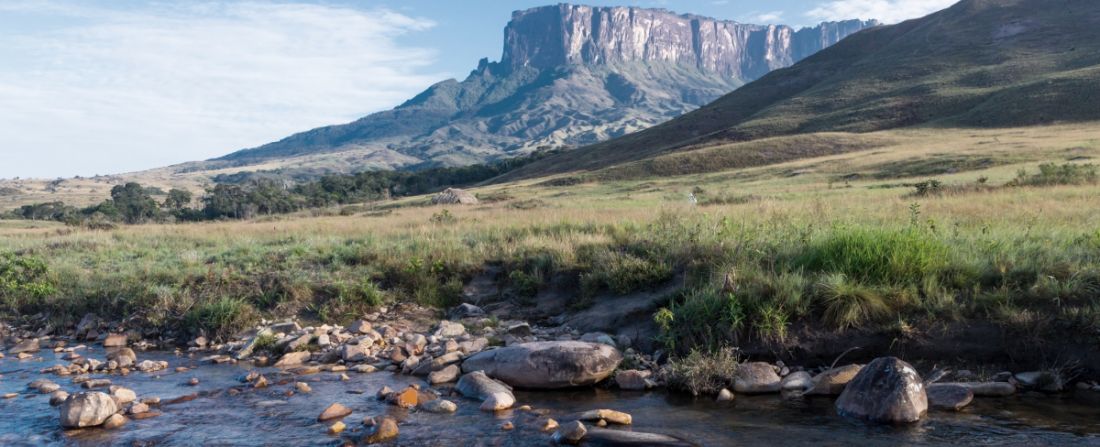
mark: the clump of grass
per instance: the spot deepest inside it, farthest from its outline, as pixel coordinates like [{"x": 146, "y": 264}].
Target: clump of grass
[
  {"x": 850, "y": 304},
  {"x": 622, "y": 273},
  {"x": 876, "y": 255},
  {"x": 1051, "y": 174},
  {"x": 528, "y": 204},
  {"x": 702, "y": 372},
  {"x": 728, "y": 199},
  {"x": 701, "y": 319},
  {"x": 220, "y": 318}
]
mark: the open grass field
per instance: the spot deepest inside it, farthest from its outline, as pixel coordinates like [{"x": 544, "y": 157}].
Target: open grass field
[{"x": 837, "y": 242}]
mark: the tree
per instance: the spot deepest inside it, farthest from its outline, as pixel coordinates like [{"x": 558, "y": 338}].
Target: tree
[
  {"x": 134, "y": 203},
  {"x": 177, "y": 199}
]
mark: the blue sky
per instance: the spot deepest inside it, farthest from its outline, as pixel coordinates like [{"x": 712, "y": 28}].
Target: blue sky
[{"x": 107, "y": 86}]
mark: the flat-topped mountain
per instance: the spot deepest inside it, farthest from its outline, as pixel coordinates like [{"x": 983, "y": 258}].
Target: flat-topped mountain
[
  {"x": 979, "y": 63},
  {"x": 569, "y": 76}
]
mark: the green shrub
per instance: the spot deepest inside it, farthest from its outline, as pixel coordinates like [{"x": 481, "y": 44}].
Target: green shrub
[
  {"x": 1051, "y": 174},
  {"x": 24, "y": 281},
  {"x": 701, "y": 319},
  {"x": 623, "y": 273}
]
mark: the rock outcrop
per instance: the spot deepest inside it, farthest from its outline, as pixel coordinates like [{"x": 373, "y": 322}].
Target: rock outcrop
[{"x": 547, "y": 364}]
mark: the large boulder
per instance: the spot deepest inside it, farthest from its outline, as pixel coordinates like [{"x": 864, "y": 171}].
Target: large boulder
[
  {"x": 547, "y": 364},
  {"x": 454, "y": 196},
  {"x": 494, "y": 395},
  {"x": 124, "y": 357},
  {"x": 596, "y": 436},
  {"x": 87, "y": 409},
  {"x": 887, "y": 390},
  {"x": 756, "y": 378}
]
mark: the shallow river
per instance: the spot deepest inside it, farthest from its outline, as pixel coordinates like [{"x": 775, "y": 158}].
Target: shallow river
[{"x": 268, "y": 417}]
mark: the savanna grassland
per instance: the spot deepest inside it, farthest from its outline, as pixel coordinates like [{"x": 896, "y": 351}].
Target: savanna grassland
[{"x": 842, "y": 243}]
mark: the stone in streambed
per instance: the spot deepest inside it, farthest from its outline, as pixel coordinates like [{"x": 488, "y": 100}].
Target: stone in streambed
[
  {"x": 606, "y": 437},
  {"x": 986, "y": 389},
  {"x": 25, "y": 346},
  {"x": 756, "y": 378},
  {"x": 570, "y": 433},
  {"x": 493, "y": 394},
  {"x": 88, "y": 409},
  {"x": 293, "y": 359},
  {"x": 114, "y": 421},
  {"x": 612, "y": 416},
  {"x": 384, "y": 430},
  {"x": 633, "y": 379},
  {"x": 887, "y": 390},
  {"x": 547, "y": 364},
  {"x": 946, "y": 396},
  {"x": 439, "y": 406},
  {"x": 445, "y": 375},
  {"x": 334, "y": 411},
  {"x": 797, "y": 381},
  {"x": 833, "y": 381}
]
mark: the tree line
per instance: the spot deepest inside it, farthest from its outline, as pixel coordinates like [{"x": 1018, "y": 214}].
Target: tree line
[{"x": 133, "y": 203}]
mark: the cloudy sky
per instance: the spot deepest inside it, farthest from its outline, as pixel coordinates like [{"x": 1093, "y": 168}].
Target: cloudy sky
[{"x": 106, "y": 86}]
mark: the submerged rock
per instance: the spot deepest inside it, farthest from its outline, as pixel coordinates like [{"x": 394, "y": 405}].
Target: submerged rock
[
  {"x": 947, "y": 396},
  {"x": 887, "y": 390},
  {"x": 87, "y": 409},
  {"x": 493, "y": 394},
  {"x": 756, "y": 378},
  {"x": 986, "y": 389},
  {"x": 547, "y": 364}
]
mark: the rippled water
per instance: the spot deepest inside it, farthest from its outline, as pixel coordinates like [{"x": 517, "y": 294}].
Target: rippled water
[{"x": 269, "y": 417}]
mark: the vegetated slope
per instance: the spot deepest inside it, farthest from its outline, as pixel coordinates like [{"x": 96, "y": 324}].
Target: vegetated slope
[
  {"x": 980, "y": 63},
  {"x": 569, "y": 76}
]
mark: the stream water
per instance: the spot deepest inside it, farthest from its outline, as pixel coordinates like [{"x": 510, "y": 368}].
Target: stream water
[{"x": 268, "y": 417}]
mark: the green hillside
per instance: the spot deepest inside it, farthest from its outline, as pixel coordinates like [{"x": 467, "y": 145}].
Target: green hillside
[{"x": 980, "y": 63}]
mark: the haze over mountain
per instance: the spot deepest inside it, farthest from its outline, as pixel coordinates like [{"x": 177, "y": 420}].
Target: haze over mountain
[
  {"x": 979, "y": 63},
  {"x": 569, "y": 76}
]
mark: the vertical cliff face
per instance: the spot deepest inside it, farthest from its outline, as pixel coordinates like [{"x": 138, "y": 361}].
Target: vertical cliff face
[
  {"x": 569, "y": 76},
  {"x": 559, "y": 35}
]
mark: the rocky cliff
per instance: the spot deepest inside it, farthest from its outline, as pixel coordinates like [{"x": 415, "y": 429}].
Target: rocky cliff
[
  {"x": 569, "y": 76},
  {"x": 552, "y": 36}
]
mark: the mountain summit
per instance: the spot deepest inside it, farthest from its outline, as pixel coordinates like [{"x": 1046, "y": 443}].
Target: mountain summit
[{"x": 569, "y": 75}]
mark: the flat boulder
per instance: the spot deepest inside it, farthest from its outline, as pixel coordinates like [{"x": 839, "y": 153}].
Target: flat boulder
[
  {"x": 887, "y": 390},
  {"x": 334, "y": 411},
  {"x": 832, "y": 382},
  {"x": 947, "y": 396},
  {"x": 88, "y": 409},
  {"x": 603, "y": 437},
  {"x": 450, "y": 329},
  {"x": 493, "y": 394},
  {"x": 445, "y": 375},
  {"x": 30, "y": 345},
  {"x": 756, "y": 378},
  {"x": 293, "y": 359},
  {"x": 547, "y": 364}
]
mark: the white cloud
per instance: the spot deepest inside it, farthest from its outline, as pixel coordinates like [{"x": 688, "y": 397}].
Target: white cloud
[
  {"x": 888, "y": 11},
  {"x": 771, "y": 17},
  {"x": 103, "y": 90}
]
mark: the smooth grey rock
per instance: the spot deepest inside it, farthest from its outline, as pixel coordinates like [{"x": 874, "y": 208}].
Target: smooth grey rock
[
  {"x": 547, "y": 364},
  {"x": 493, "y": 394},
  {"x": 947, "y": 396},
  {"x": 756, "y": 378},
  {"x": 87, "y": 409}
]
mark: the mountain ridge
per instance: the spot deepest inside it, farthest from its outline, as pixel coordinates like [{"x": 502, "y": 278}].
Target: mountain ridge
[{"x": 527, "y": 101}]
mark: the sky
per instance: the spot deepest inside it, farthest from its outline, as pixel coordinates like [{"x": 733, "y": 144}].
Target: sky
[{"x": 93, "y": 87}]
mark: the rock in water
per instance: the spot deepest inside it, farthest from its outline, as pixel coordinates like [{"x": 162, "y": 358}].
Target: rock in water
[
  {"x": 797, "y": 381},
  {"x": 25, "y": 346},
  {"x": 633, "y": 379},
  {"x": 547, "y": 364},
  {"x": 87, "y": 409},
  {"x": 115, "y": 421},
  {"x": 334, "y": 411},
  {"x": 570, "y": 433},
  {"x": 605, "y": 437},
  {"x": 114, "y": 341},
  {"x": 833, "y": 381},
  {"x": 384, "y": 430},
  {"x": 987, "y": 389},
  {"x": 439, "y": 406},
  {"x": 454, "y": 196},
  {"x": 293, "y": 359},
  {"x": 494, "y": 395},
  {"x": 612, "y": 416},
  {"x": 756, "y": 378},
  {"x": 946, "y": 396},
  {"x": 445, "y": 375},
  {"x": 887, "y": 390}
]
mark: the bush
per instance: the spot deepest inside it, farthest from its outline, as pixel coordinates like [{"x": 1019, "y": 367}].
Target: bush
[
  {"x": 703, "y": 319},
  {"x": 220, "y": 318},
  {"x": 24, "y": 281},
  {"x": 1051, "y": 174},
  {"x": 622, "y": 273}
]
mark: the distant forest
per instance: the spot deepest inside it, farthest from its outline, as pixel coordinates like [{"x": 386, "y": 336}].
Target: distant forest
[{"x": 255, "y": 195}]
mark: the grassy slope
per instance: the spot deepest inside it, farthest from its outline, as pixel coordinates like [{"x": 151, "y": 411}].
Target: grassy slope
[
  {"x": 982, "y": 63},
  {"x": 1021, "y": 258}
]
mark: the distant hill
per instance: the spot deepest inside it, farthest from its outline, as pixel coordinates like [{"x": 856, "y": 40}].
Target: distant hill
[
  {"x": 979, "y": 63},
  {"x": 569, "y": 76}
]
